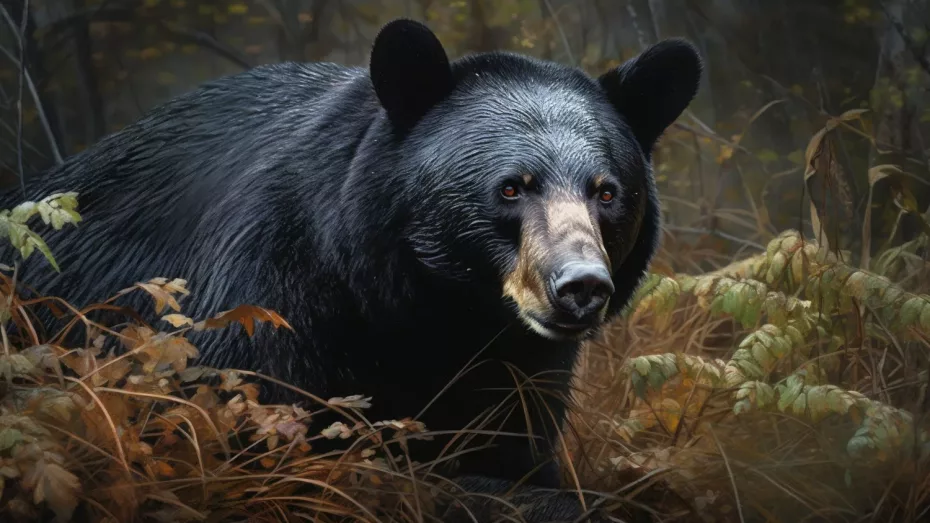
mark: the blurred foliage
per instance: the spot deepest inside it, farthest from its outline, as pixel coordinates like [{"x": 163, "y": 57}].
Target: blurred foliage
[
  {"x": 784, "y": 360},
  {"x": 790, "y": 384},
  {"x": 776, "y": 73}
]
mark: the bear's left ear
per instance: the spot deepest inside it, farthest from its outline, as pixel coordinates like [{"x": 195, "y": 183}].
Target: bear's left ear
[
  {"x": 653, "y": 89},
  {"x": 409, "y": 70}
]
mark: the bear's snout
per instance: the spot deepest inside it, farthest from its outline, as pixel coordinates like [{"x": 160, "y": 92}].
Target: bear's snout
[{"x": 580, "y": 289}]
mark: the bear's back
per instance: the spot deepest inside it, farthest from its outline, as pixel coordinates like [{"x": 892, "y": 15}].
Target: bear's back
[{"x": 182, "y": 191}]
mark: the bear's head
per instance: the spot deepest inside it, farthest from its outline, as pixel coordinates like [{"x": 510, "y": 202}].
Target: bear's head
[{"x": 527, "y": 181}]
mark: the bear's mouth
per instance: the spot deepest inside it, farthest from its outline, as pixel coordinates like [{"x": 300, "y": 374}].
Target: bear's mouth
[{"x": 558, "y": 329}]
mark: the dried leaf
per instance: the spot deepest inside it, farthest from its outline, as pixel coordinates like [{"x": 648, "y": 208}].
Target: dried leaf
[
  {"x": 246, "y": 315},
  {"x": 58, "y": 488},
  {"x": 177, "y": 320},
  {"x": 351, "y": 402},
  {"x": 337, "y": 429},
  {"x": 162, "y": 297}
]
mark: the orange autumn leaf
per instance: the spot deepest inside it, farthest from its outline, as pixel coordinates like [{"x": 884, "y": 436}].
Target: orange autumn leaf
[
  {"x": 246, "y": 315},
  {"x": 164, "y": 470}
]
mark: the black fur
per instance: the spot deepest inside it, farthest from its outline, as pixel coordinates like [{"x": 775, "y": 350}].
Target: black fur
[{"x": 365, "y": 210}]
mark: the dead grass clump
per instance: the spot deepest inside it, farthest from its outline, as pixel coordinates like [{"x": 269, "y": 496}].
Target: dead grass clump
[
  {"x": 140, "y": 434},
  {"x": 787, "y": 386},
  {"x": 123, "y": 429}
]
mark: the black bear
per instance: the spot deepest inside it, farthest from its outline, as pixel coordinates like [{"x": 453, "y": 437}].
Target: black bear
[{"x": 408, "y": 220}]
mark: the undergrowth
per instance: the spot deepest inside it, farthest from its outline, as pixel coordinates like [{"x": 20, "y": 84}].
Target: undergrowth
[
  {"x": 92, "y": 433},
  {"x": 787, "y": 386}
]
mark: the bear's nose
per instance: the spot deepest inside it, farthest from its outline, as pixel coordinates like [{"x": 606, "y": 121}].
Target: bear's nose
[{"x": 581, "y": 288}]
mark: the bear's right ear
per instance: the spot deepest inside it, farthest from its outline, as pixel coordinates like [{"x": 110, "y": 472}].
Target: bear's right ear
[
  {"x": 409, "y": 70},
  {"x": 653, "y": 89}
]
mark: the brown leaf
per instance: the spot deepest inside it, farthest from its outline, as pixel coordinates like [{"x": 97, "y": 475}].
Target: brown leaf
[
  {"x": 135, "y": 335},
  {"x": 291, "y": 429},
  {"x": 852, "y": 114},
  {"x": 81, "y": 361},
  {"x": 177, "y": 320},
  {"x": 177, "y": 286},
  {"x": 831, "y": 190},
  {"x": 163, "y": 348},
  {"x": 246, "y": 315},
  {"x": 250, "y": 390},
  {"x": 337, "y": 430},
  {"x": 231, "y": 380},
  {"x": 59, "y": 406},
  {"x": 112, "y": 370},
  {"x": 355, "y": 401},
  {"x": 880, "y": 172},
  {"x": 814, "y": 149},
  {"x": 58, "y": 488},
  {"x": 191, "y": 374},
  {"x": 44, "y": 357},
  {"x": 205, "y": 398},
  {"x": 162, "y": 297},
  {"x": 164, "y": 470}
]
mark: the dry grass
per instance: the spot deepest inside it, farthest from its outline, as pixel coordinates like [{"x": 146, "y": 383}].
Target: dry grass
[
  {"x": 760, "y": 434},
  {"x": 786, "y": 386}
]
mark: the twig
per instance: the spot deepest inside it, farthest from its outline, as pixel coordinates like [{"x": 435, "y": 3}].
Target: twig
[
  {"x": 124, "y": 13},
  {"x": 739, "y": 506},
  {"x": 558, "y": 25},
  {"x": 19, "y": 105},
  {"x": 29, "y": 83},
  {"x": 725, "y": 236},
  {"x": 908, "y": 41},
  {"x": 204, "y": 40}
]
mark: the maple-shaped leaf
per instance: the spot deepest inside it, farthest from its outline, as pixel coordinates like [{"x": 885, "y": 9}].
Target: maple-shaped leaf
[
  {"x": 246, "y": 315},
  {"x": 205, "y": 398},
  {"x": 337, "y": 430},
  {"x": 135, "y": 335},
  {"x": 81, "y": 361},
  {"x": 156, "y": 349},
  {"x": 162, "y": 291},
  {"x": 57, "y": 487},
  {"x": 291, "y": 429},
  {"x": 55, "y": 404},
  {"x": 175, "y": 286},
  {"x": 111, "y": 370},
  {"x": 162, "y": 297},
  {"x": 231, "y": 380},
  {"x": 44, "y": 357},
  {"x": 250, "y": 390},
  {"x": 15, "y": 365},
  {"x": 178, "y": 320}
]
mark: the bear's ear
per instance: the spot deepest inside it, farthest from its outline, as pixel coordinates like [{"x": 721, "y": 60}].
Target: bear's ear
[
  {"x": 653, "y": 89},
  {"x": 409, "y": 70}
]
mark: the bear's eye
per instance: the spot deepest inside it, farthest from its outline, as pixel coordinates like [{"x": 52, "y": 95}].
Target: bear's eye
[
  {"x": 606, "y": 196},
  {"x": 510, "y": 191}
]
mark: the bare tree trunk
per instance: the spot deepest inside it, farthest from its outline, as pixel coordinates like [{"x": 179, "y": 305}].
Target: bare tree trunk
[
  {"x": 483, "y": 38},
  {"x": 895, "y": 106},
  {"x": 296, "y": 34},
  {"x": 36, "y": 67},
  {"x": 88, "y": 91}
]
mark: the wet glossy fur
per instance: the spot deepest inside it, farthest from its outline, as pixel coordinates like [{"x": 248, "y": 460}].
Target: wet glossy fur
[{"x": 381, "y": 240}]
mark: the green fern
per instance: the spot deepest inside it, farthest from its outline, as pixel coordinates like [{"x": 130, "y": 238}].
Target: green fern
[
  {"x": 56, "y": 210},
  {"x": 798, "y": 290}
]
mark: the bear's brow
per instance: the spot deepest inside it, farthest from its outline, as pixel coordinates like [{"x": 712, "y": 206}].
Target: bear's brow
[{"x": 529, "y": 107}]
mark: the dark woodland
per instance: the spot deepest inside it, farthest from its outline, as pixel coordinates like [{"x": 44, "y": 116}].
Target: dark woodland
[{"x": 773, "y": 366}]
